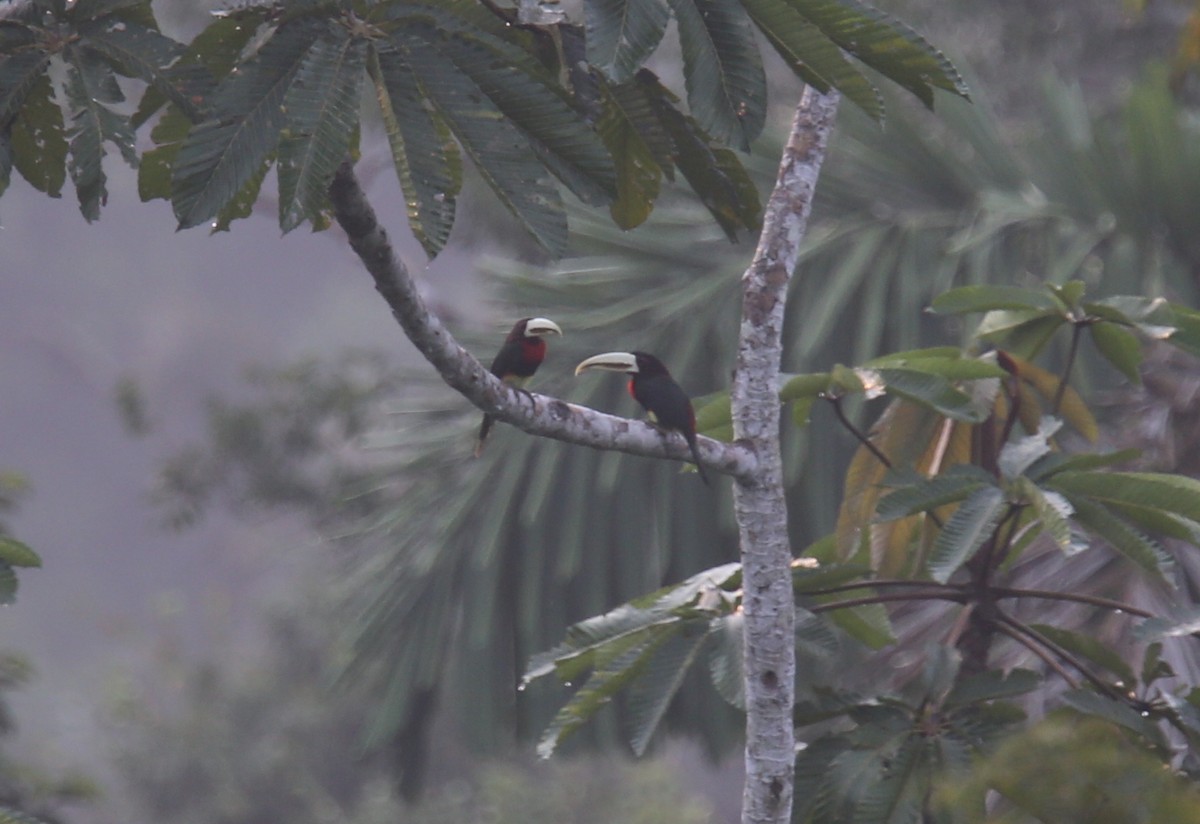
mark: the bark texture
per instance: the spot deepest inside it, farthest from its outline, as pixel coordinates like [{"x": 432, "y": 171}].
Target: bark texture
[
  {"x": 535, "y": 414},
  {"x": 759, "y": 503}
]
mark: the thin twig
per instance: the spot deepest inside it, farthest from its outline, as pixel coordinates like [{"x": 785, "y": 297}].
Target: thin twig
[
  {"x": 1062, "y": 653},
  {"x": 836, "y": 400},
  {"x": 1050, "y": 595},
  {"x": 932, "y": 595},
  {"x": 1037, "y": 650},
  {"x": 887, "y": 582},
  {"x": 1076, "y": 333}
]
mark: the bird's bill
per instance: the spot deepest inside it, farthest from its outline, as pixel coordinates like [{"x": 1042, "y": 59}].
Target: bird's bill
[
  {"x": 539, "y": 327},
  {"x": 612, "y": 361}
]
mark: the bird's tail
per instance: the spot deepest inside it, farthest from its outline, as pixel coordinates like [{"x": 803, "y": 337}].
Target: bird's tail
[
  {"x": 696, "y": 454},
  {"x": 483, "y": 433}
]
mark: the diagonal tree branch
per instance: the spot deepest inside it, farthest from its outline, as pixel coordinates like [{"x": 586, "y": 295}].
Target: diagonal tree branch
[
  {"x": 535, "y": 414},
  {"x": 759, "y": 502}
]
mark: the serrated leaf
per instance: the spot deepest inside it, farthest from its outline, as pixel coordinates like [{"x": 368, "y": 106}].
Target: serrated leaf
[
  {"x": 19, "y": 73},
  {"x": 14, "y": 553},
  {"x": 1120, "y": 535},
  {"x": 720, "y": 181},
  {"x": 934, "y": 391},
  {"x": 602, "y": 686},
  {"x": 427, "y": 160},
  {"x": 650, "y": 694},
  {"x": 321, "y": 106},
  {"x": 811, "y": 55},
  {"x": 726, "y": 85},
  {"x": 499, "y": 150},
  {"x": 1120, "y": 347},
  {"x": 968, "y": 528},
  {"x": 951, "y": 486},
  {"x": 1053, "y": 511},
  {"x": 621, "y": 34},
  {"x": 221, "y": 154},
  {"x": 885, "y": 44},
  {"x": 1057, "y": 462},
  {"x": 984, "y": 298},
  {"x": 1171, "y": 493},
  {"x": 898, "y": 795},
  {"x": 39, "y": 145},
  {"x": 140, "y": 51},
  {"x": 626, "y": 120},
  {"x": 89, "y": 85}
]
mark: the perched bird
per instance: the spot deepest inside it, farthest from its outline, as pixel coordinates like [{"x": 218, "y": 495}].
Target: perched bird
[
  {"x": 519, "y": 357},
  {"x": 652, "y": 386}
]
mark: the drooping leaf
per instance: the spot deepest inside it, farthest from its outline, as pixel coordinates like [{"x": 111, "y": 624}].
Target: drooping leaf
[
  {"x": 1120, "y": 535},
  {"x": 90, "y": 85},
  {"x": 934, "y": 391},
  {"x": 630, "y": 129},
  {"x": 221, "y": 154},
  {"x": 811, "y": 55},
  {"x": 621, "y": 34},
  {"x": 1171, "y": 493},
  {"x": 654, "y": 688},
  {"x": 726, "y": 85},
  {"x": 500, "y": 152},
  {"x": 1072, "y": 407},
  {"x": 884, "y": 44},
  {"x": 990, "y": 686},
  {"x": 39, "y": 145},
  {"x": 8, "y": 584},
  {"x": 14, "y": 553},
  {"x": 804, "y": 386},
  {"x": 140, "y": 51},
  {"x": 19, "y": 72},
  {"x": 321, "y": 106},
  {"x": 426, "y": 158},
  {"x": 1091, "y": 703},
  {"x": 968, "y": 529}
]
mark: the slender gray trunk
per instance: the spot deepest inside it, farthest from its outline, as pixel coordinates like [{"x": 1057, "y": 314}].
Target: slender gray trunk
[{"x": 759, "y": 502}]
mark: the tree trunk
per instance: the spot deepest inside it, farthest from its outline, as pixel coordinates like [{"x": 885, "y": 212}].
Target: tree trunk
[{"x": 759, "y": 503}]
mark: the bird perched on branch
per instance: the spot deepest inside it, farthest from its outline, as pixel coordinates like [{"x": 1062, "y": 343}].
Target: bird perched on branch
[
  {"x": 652, "y": 386},
  {"x": 522, "y": 353}
]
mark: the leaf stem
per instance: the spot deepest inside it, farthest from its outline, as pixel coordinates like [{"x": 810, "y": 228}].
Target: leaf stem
[
  {"x": 932, "y": 595},
  {"x": 1033, "y": 647},
  {"x": 1050, "y": 595},
  {"x": 836, "y": 400},
  {"x": 1076, "y": 333}
]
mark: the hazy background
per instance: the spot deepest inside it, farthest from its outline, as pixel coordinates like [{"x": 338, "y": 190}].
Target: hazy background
[{"x": 84, "y": 307}]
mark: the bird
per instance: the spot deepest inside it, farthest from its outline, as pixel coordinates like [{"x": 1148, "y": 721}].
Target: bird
[
  {"x": 652, "y": 386},
  {"x": 519, "y": 357}
]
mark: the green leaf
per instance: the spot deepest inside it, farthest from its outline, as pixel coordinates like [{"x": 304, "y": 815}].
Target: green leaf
[
  {"x": 1120, "y": 535},
  {"x": 933, "y": 391},
  {"x": 499, "y": 150},
  {"x": 726, "y": 661},
  {"x": 626, "y": 123},
  {"x": 1018, "y": 455},
  {"x": 944, "y": 362},
  {"x": 89, "y": 86},
  {"x": 723, "y": 185},
  {"x": 884, "y": 44},
  {"x": 898, "y": 794},
  {"x": 19, "y": 73},
  {"x": 136, "y": 50},
  {"x": 1090, "y": 649},
  {"x": 321, "y": 106},
  {"x": 966, "y": 531},
  {"x": 1053, "y": 511},
  {"x": 601, "y": 687},
  {"x": 621, "y": 34},
  {"x": 8, "y": 584},
  {"x": 991, "y": 686},
  {"x": 1057, "y": 462},
  {"x": 1171, "y": 493},
  {"x": 533, "y": 101},
  {"x": 1023, "y": 333},
  {"x": 1182, "y": 622},
  {"x": 1120, "y": 347},
  {"x": 951, "y": 486},
  {"x": 804, "y": 386},
  {"x": 726, "y": 85},
  {"x": 966, "y": 299},
  {"x": 426, "y": 158},
  {"x": 811, "y": 55},
  {"x": 221, "y": 154},
  {"x": 39, "y": 145},
  {"x": 15, "y": 553},
  {"x": 1091, "y": 703},
  {"x": 660, "y": 679}
]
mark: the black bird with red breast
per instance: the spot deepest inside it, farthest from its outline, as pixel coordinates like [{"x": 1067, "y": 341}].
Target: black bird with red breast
[
  {"x": 518, "y": 359},
  {"x": 652, "y": 386}
]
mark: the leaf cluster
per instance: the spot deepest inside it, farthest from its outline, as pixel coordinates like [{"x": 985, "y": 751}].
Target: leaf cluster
[{"x": 964, "y": 475}]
